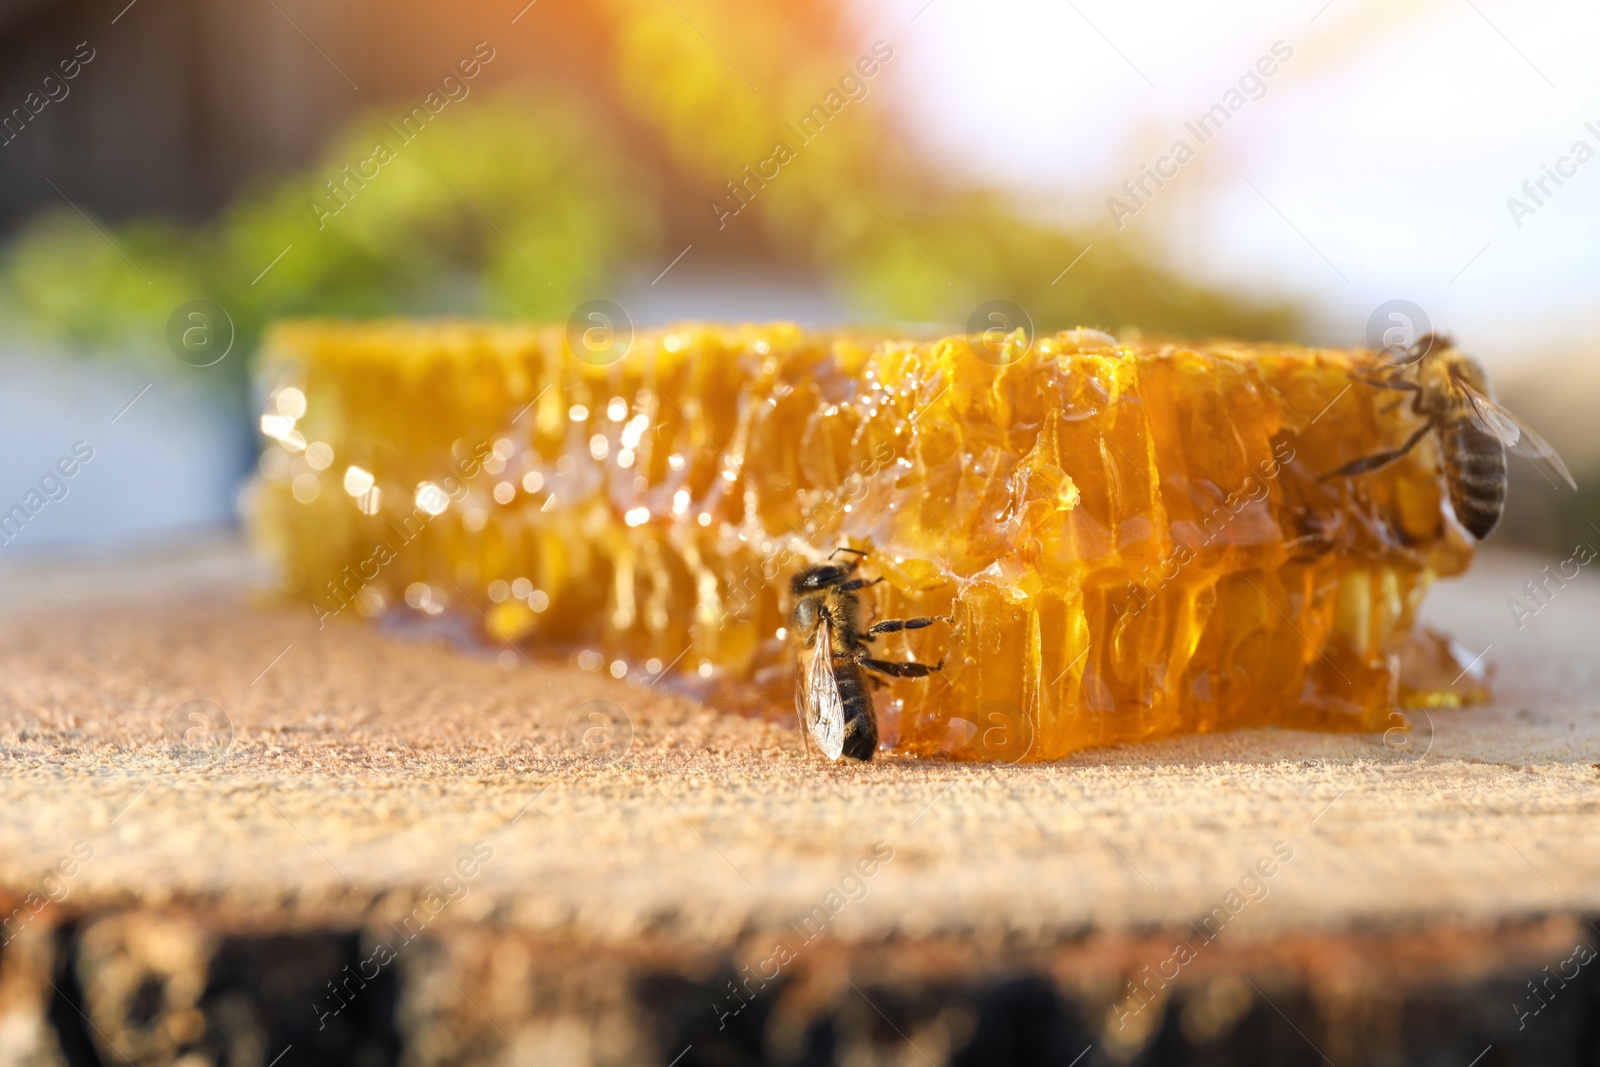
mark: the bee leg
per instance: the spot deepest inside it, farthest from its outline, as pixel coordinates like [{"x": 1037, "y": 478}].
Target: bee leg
[
  {"x": 1379, "y": 460},
  {"x": 855, "y": 584},
  {"x": 901, "y": 670},
  {"x": 894, "y": 626}
]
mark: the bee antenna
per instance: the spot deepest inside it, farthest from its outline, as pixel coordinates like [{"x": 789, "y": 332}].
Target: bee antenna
[
  {"x": 845, "y": 548},
  {"x": 1397, "y": 357}
]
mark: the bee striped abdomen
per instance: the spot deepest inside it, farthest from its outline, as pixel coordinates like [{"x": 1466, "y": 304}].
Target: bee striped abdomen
[
  {"x": 860, "y": 724},
  {"x": 1475, "y": 466}
]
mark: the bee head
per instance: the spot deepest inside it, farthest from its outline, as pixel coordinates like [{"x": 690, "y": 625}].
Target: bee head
[
  {"x": 813, "y": 578},
  {"x": 1427, "y": 344}
]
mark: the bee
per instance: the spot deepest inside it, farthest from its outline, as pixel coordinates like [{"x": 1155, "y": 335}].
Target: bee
[
  {"x": 1451, "y": 393},
  {"x": 831, "y": 695}
]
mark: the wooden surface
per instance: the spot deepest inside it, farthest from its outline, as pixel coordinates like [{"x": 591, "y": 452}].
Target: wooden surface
[
  {"x": 182, "y": 890},
  {"x": 363, "y": 763}
]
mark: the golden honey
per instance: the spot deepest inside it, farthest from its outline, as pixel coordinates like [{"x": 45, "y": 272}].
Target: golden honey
[{"x": 1133, "y": 540}]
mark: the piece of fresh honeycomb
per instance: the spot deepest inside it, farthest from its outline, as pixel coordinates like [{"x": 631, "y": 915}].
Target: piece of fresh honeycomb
[{"x": 1131, "y": 538}]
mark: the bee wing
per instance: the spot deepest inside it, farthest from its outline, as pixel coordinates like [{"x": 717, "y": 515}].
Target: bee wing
[
  {"x": 1494, "y": 419},
  {"x": 1513, "y": 432},
  {"x": 817, "y": 696},
  {"x": 1535, "y": 447}
]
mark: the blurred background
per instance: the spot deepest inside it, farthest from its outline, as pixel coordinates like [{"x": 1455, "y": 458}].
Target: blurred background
[{"x": 1251, "y": 169}]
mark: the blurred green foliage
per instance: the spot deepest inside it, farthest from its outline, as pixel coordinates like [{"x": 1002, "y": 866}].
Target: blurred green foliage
[
  {"x": 515, "y": 207},
  {"x": 526, "y": 202}
]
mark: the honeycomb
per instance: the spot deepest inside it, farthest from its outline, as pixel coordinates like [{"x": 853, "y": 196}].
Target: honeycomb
[{"x": 1131, "y": 538}]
